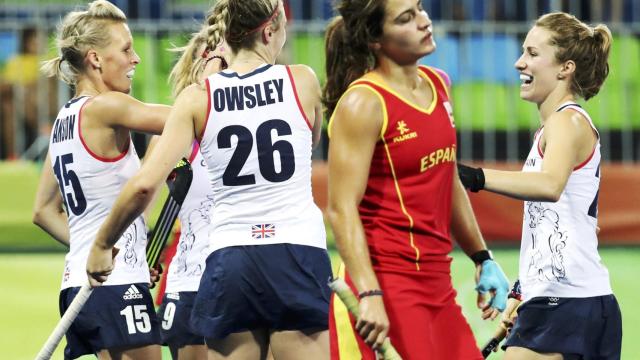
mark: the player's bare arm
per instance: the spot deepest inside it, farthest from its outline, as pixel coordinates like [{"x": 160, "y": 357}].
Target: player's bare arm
[
  {"x": 47, "y": 210},
  {"x": 305, "y": 78},
  {"x": 355, "y": 129},
  {"x": 568, "y": 141},
  {"x": 139, "y": 190},
  {"x": 117, "y": 109},
  {"x": 464, "y": 226},
  {"x": 466, "y": 231}
]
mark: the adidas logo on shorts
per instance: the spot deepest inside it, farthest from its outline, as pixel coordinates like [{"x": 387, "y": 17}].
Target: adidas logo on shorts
[{"x": 132, "y": 293}]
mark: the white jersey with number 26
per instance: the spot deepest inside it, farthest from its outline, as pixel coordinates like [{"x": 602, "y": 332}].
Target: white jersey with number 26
[
  {"x": 89, "y": 185},
  {"x": 257, "y": 145}
]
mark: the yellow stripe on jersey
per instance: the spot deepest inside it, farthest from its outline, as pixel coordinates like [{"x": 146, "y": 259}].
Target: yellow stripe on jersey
[
  {"x": 373, "y": 79},
  {"x": 404, "y": 209},
  {"x": 437, "y": 74},
  {"x": 385, "y": 122},
  {"x": 355, "y": 86},
  {"x": 347, "y": 344}
]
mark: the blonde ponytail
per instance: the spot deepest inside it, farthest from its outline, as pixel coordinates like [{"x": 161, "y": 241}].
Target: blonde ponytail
[{"x": 184, "y": 72}]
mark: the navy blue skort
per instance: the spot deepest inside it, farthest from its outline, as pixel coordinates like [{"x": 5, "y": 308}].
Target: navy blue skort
[
  {"x": 174, "y": 314},
  {"x": 115, "y": 316},
  {"x": 277, "y": 287},
  {"x": 577, "y": 328}
]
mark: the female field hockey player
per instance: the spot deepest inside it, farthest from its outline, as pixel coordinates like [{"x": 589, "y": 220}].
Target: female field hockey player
[
  {"x": 265, "y": 282},
  {"x": 187, "y": 266},
  {"x": 393, "y": 136},
  {"x": 568, "y": 309},
  {"x": 91, "y": 156}
]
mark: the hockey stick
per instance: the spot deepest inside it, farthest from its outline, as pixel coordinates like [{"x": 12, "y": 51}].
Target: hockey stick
[
  {"x": 345, "y": 294},
  {"x": 502, "y": 330},
  {"x": 493, "y": 343},
  {"x": 178, "y": 182}
]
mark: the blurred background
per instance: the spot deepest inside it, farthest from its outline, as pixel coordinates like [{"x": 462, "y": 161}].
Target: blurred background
[{"x": 478, "y": 42}]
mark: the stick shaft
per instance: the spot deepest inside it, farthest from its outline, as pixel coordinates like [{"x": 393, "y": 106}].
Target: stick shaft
[
  {"x": 493, "y": 343},
  {"x": 343, "y": 291},
  {"x": 166, "y": 219},
  {"x": 65, "y": 322}
]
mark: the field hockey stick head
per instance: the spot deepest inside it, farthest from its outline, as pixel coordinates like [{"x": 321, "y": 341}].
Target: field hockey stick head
[{"x": 179, "y": 180}]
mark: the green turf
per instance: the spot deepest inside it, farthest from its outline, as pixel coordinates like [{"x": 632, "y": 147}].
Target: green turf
[
  {"x": 19, "y": 181},
  {"x": 30, "y": 285}
]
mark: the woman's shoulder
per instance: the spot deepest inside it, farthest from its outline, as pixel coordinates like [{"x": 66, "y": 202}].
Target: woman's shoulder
[
  {"x": 303, "y": 73},
  {"x": 570, "y": 125},
  {"x": 360, "y": 100},
  {"x": 108, "y": 103}
]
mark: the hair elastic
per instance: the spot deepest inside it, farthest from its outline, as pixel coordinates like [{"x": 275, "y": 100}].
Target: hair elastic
[{"x": 271, "y": 17}]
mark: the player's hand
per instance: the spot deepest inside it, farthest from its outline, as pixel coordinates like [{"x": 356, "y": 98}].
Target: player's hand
[
  {"x": 491, "y": 280},
  {"x": 471, "y": 178},
  {"x": 100, "y": 264},
  {"x": 373, "y": 323},
  {"x": 510, "y": 315},
  {"x": 216, "y": 60},
  {"x": 154, "y": 275}
]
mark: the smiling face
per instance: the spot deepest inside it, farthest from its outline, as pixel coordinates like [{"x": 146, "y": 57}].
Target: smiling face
[
  {"x": 538, "y": 66},
  {"x": 407, "y": 31},
  {"x": 118, "y": 59}
]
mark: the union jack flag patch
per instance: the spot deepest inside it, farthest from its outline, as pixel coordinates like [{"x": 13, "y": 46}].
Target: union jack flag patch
[{"x": 263, "y": 231}]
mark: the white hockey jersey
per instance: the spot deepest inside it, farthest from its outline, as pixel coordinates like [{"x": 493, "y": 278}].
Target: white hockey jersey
[
  {"x": 89, "y": 185},
  {"x": 257, "y": 146},
  {"x": 559, "y": 250},
  {"x": 195, "y": 215}
]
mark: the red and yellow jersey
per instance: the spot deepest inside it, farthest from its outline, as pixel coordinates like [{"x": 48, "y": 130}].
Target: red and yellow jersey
[{"x": 406, "y": 207}]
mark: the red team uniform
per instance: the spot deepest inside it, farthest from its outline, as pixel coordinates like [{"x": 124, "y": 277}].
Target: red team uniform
[{"x": 406, "y": 214}]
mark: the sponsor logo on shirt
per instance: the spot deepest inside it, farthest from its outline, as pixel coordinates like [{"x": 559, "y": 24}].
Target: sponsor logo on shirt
[{"x": 405, "y": 132}]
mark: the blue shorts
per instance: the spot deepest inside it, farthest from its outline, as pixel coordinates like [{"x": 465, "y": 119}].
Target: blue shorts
[
  {"x": 577, "y": 328},
  {"x": 276, "y": 287},
  {"x": 115, "y": 316},
  {"x": 174, "y": 316}
]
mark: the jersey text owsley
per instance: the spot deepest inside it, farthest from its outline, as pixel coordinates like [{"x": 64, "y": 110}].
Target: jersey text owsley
[{"x": 248, "y": 96}]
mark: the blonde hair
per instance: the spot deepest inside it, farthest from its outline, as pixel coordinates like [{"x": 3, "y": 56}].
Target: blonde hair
[
  {"x": 184, "y": 72},
  {"x": 78, "y": 32},
  {"x": 588, "y": 47}
]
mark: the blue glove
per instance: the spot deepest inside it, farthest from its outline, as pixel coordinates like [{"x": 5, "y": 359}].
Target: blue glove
[{"x": 493, "y": 278}]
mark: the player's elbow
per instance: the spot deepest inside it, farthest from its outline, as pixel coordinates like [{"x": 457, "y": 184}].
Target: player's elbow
[
  {"x": 142, "y": 189},
  {"x": 551, "y": 193},
  {"x": 38, "y": 216},
  {"x": 41, "y": 212},
  {"x": 144, "y": 192},
  {"x": 336, "y": 213},
  {"x": 340, "y": 214},
  {"x": 554, "y": 196}
]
